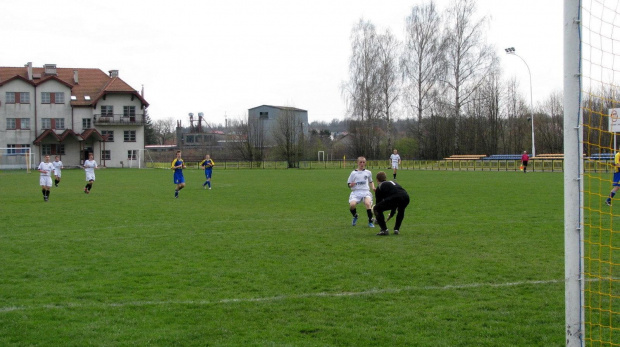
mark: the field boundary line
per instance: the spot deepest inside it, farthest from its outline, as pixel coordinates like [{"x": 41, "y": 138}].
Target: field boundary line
[{"x": 281, "y": 297}]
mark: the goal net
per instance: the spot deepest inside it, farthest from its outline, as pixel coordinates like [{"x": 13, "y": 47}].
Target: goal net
[
  {"x": 139, "y": 158},
  {"x": 592, "y": 236},
  {"x": 13, "y": 158}
]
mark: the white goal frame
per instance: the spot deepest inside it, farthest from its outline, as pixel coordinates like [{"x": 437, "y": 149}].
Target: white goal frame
[
  {"x": 320, "y": 155},
  {"x": 142, "y": 156},
  {"x": 16, "y": 158}
]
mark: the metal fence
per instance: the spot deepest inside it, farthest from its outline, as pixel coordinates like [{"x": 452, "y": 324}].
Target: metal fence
[{"x": 539, "y": 165}]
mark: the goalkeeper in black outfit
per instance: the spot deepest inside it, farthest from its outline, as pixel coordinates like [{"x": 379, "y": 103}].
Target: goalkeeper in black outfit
[{"x": 389, "y": 196}]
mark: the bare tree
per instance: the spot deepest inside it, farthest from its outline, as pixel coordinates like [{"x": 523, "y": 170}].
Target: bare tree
[
  {"x": 242, "y": 139},
  {"x": 468, "y": 57},
  {"x": 164, "y": 129},
  {"x": 288, "y": 135},
  {"x": 549, "y": 125},
  {"x": 423, "y": 61},
  {"x": 390, "y": 86},
  {"x": 362, "y": 91}
]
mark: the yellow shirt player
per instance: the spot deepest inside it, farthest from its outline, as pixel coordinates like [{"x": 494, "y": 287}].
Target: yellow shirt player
[
  {"x": 208, "y": 165},
  {"x": 616, "y": 183}
]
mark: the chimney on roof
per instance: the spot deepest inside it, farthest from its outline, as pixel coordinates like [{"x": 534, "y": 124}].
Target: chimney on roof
[
  {"x": 113, "y": 73},
  {"x": 75, "y": 77},
  {"x": 29, "y": 68},
  {"x": 50, "y": 69}
]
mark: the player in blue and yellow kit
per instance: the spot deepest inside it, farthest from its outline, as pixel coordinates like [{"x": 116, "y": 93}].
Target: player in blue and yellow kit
[
  {"x": 208, "y": 165},
  {"x": 616, "y": 184},
  {"x": 178, "y": 165}
]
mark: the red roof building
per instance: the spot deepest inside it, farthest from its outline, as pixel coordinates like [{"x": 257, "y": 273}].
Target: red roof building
[{"x": 70, "y": 112}]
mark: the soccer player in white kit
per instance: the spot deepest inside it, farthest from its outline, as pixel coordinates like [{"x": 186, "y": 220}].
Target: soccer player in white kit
[
  {"x": 45, "y": 180},
  {"x": 57, "y": 168},
  {"x": 395, "y": 158},
  {"x": 360, "y": 182},
  {"x": 89, "y": 167}
]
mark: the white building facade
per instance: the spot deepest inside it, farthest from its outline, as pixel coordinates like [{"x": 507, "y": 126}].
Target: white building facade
[{"x": 70, "y": 112}]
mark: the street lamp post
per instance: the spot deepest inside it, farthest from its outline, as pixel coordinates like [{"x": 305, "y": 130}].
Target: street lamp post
[{"x": 511, "y": 51}]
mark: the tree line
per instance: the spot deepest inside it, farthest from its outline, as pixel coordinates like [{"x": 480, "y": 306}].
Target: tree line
[{"x": 438, "y": 92}]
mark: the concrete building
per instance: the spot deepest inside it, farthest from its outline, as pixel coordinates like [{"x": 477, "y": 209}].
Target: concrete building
[
  {"x": 70, "y": 112},
  {"x": 265, "y": 120}
]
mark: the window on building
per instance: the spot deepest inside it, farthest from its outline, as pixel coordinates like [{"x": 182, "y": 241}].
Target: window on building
[
  {"x": 129, "y": 111},
  {"x": 46, "y": 123},
  {"x": 17, "y": 97},
  {"x": 59, "y": 123},
  {"x": 107, "y": 111},
  {"x": 106, "y": 155},
  {"x": 18, "y": 123},
  {"x": 109, "y": 133},
  {"x": 86, "y": 123},
  {"x": 24, "y": 97},
  {"x": 130, "y": 135},
  {"x": 52, "y": 98},
  {"x": 264, "y": 115},
  {"x": 17, "y": 148},
  {"x": 60, "y": 98},
  {"x": 132, "y": 154},
  {"x": 189, "y": 139},
  {"x": 52, "y": 149}
]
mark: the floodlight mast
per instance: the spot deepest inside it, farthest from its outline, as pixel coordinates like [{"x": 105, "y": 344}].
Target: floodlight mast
[{"x": 511, "y": 51}]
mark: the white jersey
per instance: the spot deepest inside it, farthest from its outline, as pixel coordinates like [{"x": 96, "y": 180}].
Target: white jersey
[
  {"x": 89, "y": 167},
  {"x": 57, "y": 167},
  {"x": 47, "y": 168},
  {"x": 395, "y": 159},
  {"x": 362, "y": 179},
  {"x": 45, "y": 179}
]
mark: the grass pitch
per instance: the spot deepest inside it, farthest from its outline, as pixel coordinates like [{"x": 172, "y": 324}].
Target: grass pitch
[{"x": 269, "y": 258}]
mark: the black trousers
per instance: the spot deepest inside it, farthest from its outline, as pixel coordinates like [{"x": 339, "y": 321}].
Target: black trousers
[{"x": 396, "y": 202}]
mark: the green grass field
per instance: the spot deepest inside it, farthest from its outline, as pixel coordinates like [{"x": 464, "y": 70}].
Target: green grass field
[{"x": 269, "y": 258}]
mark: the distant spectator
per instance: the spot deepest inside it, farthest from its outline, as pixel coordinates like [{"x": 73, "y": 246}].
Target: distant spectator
[{"x": 524, "y": 159}]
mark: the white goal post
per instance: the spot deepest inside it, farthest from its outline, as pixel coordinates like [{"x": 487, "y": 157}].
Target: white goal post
[
  {"x": 138, "y": 158},
  {"x": 12, "y": 158},
  {"x": 321, "y": 156}
]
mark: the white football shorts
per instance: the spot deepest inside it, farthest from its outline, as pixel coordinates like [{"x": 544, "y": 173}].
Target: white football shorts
[
  {"x": 359, "y": 195},
  {"x": 90, "y": 176},
  {"x": 45, "y": 181}
]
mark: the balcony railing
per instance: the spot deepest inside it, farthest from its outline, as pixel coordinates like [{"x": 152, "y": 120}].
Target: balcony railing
[{"x": 118, "y": 119}]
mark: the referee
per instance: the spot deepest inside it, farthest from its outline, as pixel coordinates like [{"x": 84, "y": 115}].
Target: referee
[{"x": 390, "y": 196}]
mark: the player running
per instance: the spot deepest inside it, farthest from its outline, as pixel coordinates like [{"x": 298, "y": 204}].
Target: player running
[
  {"x": 208, "y": 165},
  {"x": 90, "y": 166},
  {"x": 178, "y": 165},
  {"x": 395, "y": 159},
  {"x": 45, "y": 179},
  {"x": 57, "y": 170}
]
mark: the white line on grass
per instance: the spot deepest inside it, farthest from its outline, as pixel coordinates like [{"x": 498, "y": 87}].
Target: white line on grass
[{"x": 275, "y": 298}]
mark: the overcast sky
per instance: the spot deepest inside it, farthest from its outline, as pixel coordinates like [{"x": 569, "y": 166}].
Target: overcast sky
[{"x": 224, "y": 57}]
